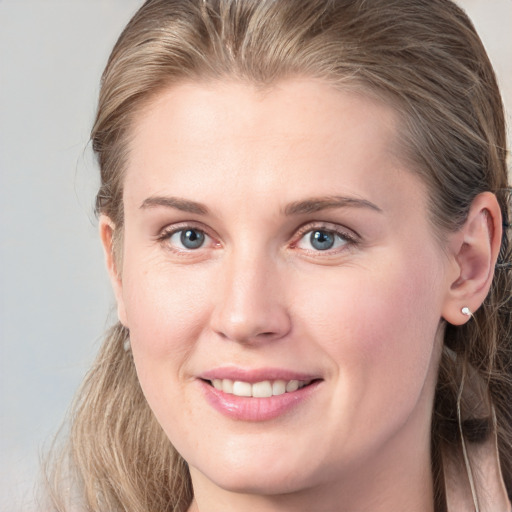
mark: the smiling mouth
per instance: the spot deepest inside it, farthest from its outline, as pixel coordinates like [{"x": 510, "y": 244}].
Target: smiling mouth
[{"x": 263, "y": 389}]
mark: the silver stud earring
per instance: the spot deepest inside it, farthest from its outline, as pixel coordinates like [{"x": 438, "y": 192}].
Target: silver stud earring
[
  {"x": 127, "y": 345},
  {"x": 466, "y": 311}
]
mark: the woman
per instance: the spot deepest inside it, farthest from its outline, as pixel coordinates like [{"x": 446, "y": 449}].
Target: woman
[{"x": 301, "y": 208}]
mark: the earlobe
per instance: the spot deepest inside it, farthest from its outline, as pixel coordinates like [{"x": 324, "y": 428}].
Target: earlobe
[
  {"x": 107, "y": 234},
  {"x": 475, "y": 252}
]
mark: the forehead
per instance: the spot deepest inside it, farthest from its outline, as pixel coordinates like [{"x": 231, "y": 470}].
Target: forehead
[
  {"x": 303, "y": 136},
  {"x": 297, "y": 107}
]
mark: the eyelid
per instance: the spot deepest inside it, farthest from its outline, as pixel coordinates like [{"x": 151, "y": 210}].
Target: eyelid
[
  {"x": 167, "y": 232},
  {"x": 349, "y": 235}
]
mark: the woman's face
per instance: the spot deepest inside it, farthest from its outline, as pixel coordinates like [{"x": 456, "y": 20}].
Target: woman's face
[{"x": 273, "y": 237}]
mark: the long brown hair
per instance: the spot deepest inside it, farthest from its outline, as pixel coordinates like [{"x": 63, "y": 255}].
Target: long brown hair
[{"x": 423, "y": 57}]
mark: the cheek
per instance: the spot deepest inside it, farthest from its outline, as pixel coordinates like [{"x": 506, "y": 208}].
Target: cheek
[
  {"x": 395, "y": 318},
  {"x": 166, "y": 309},
  {"x": 378, "y": 327}
]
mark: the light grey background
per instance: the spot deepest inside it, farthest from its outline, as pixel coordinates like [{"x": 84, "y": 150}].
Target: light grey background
[{"x": 54, "y": 294}]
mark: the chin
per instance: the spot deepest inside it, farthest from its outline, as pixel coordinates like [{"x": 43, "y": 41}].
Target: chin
[
  {"x": 261, "y": 483},
  {"x": 256, "y": 476}
]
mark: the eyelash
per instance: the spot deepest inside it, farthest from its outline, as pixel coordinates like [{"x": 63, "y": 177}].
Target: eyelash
[
  {"x": 348, "y": 238},
  {"x": 165, "y": 236}
]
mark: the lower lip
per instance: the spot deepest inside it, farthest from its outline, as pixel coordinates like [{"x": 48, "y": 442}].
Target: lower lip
[{"x": 256, "y": 409}]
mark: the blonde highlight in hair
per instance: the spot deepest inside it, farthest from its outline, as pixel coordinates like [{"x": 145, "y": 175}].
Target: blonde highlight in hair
[
  {"x": 425, "y": 58},
  {"x": 117, "y": 454}
]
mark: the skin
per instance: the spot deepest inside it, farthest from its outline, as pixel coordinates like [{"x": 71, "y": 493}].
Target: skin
[{"x": 365, "y": 317}]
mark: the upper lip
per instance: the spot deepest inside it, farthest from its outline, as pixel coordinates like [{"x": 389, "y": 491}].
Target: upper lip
[{"x": 256, "y": 375}]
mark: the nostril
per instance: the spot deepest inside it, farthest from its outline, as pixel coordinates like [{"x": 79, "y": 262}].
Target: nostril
[{"x": 250, "y": 321}]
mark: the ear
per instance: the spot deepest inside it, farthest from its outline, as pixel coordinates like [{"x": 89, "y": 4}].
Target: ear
[
  {"x": 475, "y": 249},
  {"x": 107, "y": 230}
]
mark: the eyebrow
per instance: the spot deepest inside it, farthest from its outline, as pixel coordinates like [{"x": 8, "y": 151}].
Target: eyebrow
[
  {"x": 177, "y": 203},
  {"x": 306, "y": 206},
  {"x": 317, "y": 204}
]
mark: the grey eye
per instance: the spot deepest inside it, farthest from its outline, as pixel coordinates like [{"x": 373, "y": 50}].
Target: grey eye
[
  {"x": 322, "y": 240},
  {"x": 192, "y": 238},
  {"x": 188, "y": 238}
]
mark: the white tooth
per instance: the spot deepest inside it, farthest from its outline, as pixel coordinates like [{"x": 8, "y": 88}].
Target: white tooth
[
  {"x": 292, "y": 385},
  {"x": 242, "y": 388},
  {"x": 279, "y": 387},
  {"x": 217, "y": 383},
  {"x": 262, "y": 389},
  {"x": 227, "y": 386}
]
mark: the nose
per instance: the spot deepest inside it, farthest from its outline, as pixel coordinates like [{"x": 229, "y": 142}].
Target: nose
[{"x": 250, "y": 305}]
